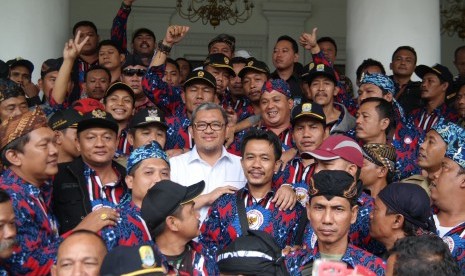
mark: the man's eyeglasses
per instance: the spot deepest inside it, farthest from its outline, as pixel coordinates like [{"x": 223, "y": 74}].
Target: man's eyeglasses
[
  {"x": 132, "y": 72},
  {"x": 213, "y": 125}
]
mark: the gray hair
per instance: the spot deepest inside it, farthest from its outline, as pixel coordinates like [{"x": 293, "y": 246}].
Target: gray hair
[{"x": 210, "y": 106}]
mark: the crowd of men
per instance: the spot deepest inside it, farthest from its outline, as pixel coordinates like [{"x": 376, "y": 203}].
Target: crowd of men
[{"x": 134, "y": 163}]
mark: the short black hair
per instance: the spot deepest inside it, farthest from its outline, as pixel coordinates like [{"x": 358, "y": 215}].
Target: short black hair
[
  {"x": 367, "y": 63},
  {"x": 423, "y": 255},
  {"x": 295, "y": 47},
  {"x": 4, "y": 196},
  {"x": 109, "y": 42},
  {"x": 84, "y": 23},
  {"x": 16, "y": 145},
  {"x": 266, "y": 135},
  {"x": 186, "y": 60},
  {"x": 384, "y": 109},
  {"x": 172, "y": 61},
  {"x": 97, "y": 67},
  {"x": 407, "y": 48},
  {"x": 327, "y": 39}
]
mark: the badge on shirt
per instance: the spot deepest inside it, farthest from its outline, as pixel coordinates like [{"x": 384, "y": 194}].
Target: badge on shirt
[
  {"x": 255, "y": 219},
  {"x": 147, "y": 257}
]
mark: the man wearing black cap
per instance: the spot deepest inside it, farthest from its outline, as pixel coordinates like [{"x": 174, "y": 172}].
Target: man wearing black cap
[
  {"x": 119, "y": 102},
  {"x": 64, "y": 123},
  {"x": 147, "y": 125},
  {"x": 331, "y": 210},
  {"x": 12, "y": 100},
  {"x": 21, "y": 73},
  {"x": 401, "y": 210},
  {"x": 308, "y": 132},
  {"x": 224, "y": 44},
  {"x": 93, "y": 180},
  {"x": 219, "y": 66},
  {"x": 143, "y": 39},
  {"x": 436, "y": 81},
  {"x": 133, "y": 70},
  {"x": 261, "y": 151},
  {"x": 173, "y": 221}
]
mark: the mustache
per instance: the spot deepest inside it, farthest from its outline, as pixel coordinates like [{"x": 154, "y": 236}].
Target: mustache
[{"x": 7, "y": 244}]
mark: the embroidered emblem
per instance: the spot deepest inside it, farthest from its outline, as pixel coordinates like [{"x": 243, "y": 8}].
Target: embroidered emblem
[
  {"x": 147, "y": 257},
  {"x": 307, "y": 107},
  {"x": 255, "y": 219}
]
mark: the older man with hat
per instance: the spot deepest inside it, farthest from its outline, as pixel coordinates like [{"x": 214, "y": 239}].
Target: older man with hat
[
  {"x": 401, "y": 210},
  {"x": 173, "y": 221},
  {"x": 448, "y": 195},
  {"x": 379, "y": 167},
  {"x": 436, "y": 82},
  {"x": 93, "y": 180},
  {"x": 64, "y": 123},
  {"x": 30, "y": 156},
  {"x": 147, "y": 165},
  {"x": 332, "y": 209},
  {"x": 13, "y": 101},
  {"x": 21, "y": 72}
]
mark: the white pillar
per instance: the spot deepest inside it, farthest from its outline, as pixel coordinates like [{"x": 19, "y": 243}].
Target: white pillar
[
  {"x": 375, "y": 28},
  {"x": 35, "y": 30}
]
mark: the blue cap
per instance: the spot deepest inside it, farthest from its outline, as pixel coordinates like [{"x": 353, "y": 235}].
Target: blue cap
[
  {"x": 456, "y": 149},
  {"x": 151, "y": 150},
  {"x": 278, "y": 85},
  {"x": 380, "y": 80},
  {"x": 447, "y": 130}
]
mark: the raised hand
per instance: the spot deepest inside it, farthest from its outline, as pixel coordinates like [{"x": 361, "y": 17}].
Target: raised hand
[
  {"x": 308, "y": 41},
  {"x": 74, "y": 47},
  {"x": 174, "y": 34}
]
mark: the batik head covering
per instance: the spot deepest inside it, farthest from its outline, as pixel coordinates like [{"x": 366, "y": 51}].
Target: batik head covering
[
  {"x": 382, "y": 155},
  {"x": 380, "y": 80},
  {"x": 278, "y": 85}
]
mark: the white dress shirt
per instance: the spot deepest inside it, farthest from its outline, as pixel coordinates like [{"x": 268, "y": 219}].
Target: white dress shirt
[{"x": 189, "y": 168}]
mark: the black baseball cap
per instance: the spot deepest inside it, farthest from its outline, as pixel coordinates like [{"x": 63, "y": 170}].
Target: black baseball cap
[
  {"x": 252, "y": 64},
  {"x": 164, "y": 198},
  {"x": 132, "y": 260},
  {"x": 200, "y": 75},
  {"x": 120, "y": 86},
  {"x": 97, "y": 118},
  {"x": 62, "y": 119},
  {"x": 12, "y": 63},
  {"x": 50, "y": 65},
  {"x": 148, "y": 116},
  {"x": 219, "y": 60},
  {"x": 315, "y": 70},
  {"x": 439, "y": 70},
  {"x": 311, "y": 110},
  {"x": 132, "y": 60},
  {"x": 143, "y": 31}
]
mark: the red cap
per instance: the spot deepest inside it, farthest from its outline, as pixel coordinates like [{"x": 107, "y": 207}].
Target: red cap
[
  {"x": 87, "y": 105},
  {"x": 338, "y": 146}
]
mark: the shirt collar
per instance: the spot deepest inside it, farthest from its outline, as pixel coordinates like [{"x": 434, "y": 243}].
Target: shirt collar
[{"x": 194, "y": 155}]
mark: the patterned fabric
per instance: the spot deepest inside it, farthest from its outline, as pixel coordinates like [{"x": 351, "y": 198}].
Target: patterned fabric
[
  {"x": 455, "y": 240},
  {"x": 222, "y": 225},
  {"x": 118, "y": 29},
  {"x": 456, "y": 149},
  {"x": 18, "y": 126},
  {"x": 178, "y": 136},
  {"x": 130, "y": 230},
  {"x": 425, "y": 121},
  {"x": 448, "y": 130},
  {"x": 37, "y": 233},
  {"x": 353, "y": 256},
  {"x": 164, "y": 96},
  {"x": 103, "y": 194},
  {"x": 146, "y": 104},
  {"x": 278, "y": 85},
  {"x": 380, "y": 154},
  {"x": 285, "y": 137},
  {"x": 380, "y": 80},
  {"x": 151, "y": 150},
  {"x": 123, "y": 148}
]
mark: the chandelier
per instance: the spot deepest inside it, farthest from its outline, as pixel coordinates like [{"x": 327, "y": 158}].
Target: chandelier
[
  {"x": 215, "y": 11},
  {"x": 453, "y": 17}
]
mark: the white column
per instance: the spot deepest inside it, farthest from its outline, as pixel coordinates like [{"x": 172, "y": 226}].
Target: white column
[
  {"x": 375, "y": 28},
  {"x": 35, "y": 30}
]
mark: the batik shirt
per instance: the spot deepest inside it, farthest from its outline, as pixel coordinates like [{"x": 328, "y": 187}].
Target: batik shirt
[
  {"x": 178, "y": 136},
  {"x": 425, "y": 121},
  {"x": 353, "y": 256},
  {"x": 301, "y": 177},
  {"x": 164, "y": 96},
  {"x": 37, "y": 232},
  {"x": 123, "y": 148},
  {"x": 130, "y": 230},
  {"x": 455, "y": 240},
  {"x": 285, "y": 137},
  {"x": 118, "y": 29},
  {"x": 222, "y": 225},
  {"x": 103, "y": 194}
]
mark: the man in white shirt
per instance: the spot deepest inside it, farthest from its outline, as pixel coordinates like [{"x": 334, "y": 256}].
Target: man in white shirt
[{"x": 208, "y": 160}]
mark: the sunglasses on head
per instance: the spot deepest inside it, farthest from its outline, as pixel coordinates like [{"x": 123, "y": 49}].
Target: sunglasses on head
[{"x": 132, "y": 72}]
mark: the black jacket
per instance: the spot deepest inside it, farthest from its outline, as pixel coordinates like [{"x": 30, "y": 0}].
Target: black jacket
[{"x": 71, "y": 201}]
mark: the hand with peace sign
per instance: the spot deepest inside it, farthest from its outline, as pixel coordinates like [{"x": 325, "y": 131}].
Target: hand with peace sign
[{"x": 74, "y": 47}]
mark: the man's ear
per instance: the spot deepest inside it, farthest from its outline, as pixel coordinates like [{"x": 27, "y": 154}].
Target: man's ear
[
  {"x": 130, "y": 139},
  {"x": 291, "y": 103},
  {"x": 388, "y": 97},
  {"x": 354, "y": 211},
  {"x": 398, "y": 222},
  {"x": 129, "y": 179},
  {"x": 59, "y": 136},
  {"x": 337, "y": 89},
  {"x": 384, "y": 123},
  {"x": 183, "y": 96},
  {"x": 13, "y": 157},
  {"x": 171, "y": 223}
]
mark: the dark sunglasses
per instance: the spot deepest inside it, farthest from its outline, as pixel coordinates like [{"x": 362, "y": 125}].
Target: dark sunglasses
[{"x": 132, "y": 72}]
